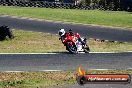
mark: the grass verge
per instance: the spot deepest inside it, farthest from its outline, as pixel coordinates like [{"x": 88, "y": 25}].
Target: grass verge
[
  {"x": 108, "y": 18},
  {"x": 98, "y": 46},
  {"x": 37, "y": 42},
  {"x": 46, "y": 79},
  {"x": 31, "y": 42},
  {"x": 35, "y": 79}
]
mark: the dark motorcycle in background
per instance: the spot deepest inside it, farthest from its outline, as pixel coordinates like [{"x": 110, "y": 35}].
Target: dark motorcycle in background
[{"x": 5, "y": 32}]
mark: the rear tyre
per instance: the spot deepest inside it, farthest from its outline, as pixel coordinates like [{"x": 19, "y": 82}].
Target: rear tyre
[{"x": 87, "y": 49}]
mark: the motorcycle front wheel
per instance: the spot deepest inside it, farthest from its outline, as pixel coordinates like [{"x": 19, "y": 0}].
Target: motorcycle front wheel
[{"x": 72, "y": 48}]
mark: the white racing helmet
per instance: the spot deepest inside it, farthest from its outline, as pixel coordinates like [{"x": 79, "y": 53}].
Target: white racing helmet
[{"x": 61, "y": 32}]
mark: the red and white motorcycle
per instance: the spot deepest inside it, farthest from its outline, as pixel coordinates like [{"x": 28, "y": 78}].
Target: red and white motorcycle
[{"x": 73, "y": 45}]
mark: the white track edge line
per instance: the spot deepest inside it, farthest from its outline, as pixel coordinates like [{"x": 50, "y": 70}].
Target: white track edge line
[
  {"x": 35, "y": 71},
  {"x": 26, "y": 53},
  {"x": 67, "y": 70},
  {"x": 62, "y": 53}
]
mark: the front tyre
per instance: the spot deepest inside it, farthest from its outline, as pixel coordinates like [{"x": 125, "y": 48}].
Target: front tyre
[{"x": 71, "y": 48}]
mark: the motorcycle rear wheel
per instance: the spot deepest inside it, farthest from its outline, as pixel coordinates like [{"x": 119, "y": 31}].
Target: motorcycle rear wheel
[{"x": 87, "y": 49}]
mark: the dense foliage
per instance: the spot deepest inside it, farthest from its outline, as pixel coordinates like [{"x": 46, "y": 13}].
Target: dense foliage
[{"x": 116, "y": 5}]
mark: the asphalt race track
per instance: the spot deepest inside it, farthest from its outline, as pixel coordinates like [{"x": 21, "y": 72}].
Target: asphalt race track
[
  {"x": 64, "y": 61},
  {"x": 53, "y": 27}
]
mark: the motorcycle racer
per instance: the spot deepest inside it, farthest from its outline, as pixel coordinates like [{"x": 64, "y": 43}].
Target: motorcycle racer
[
  {"x": 73, "y": 41},
  {"x": 64, "y": 34}
]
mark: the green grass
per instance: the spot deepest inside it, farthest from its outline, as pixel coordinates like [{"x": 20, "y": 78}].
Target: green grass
[
  {"x": 37, "y": 42},
  {"x": 36, "y": 79},
  {"x": 97, "y": 46},
  {"x": 108, "y": 18},
  {"x": 35, "y": 83},
  {"x": 25, "y": 83},
  {"x": 31, "y": 42}
]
